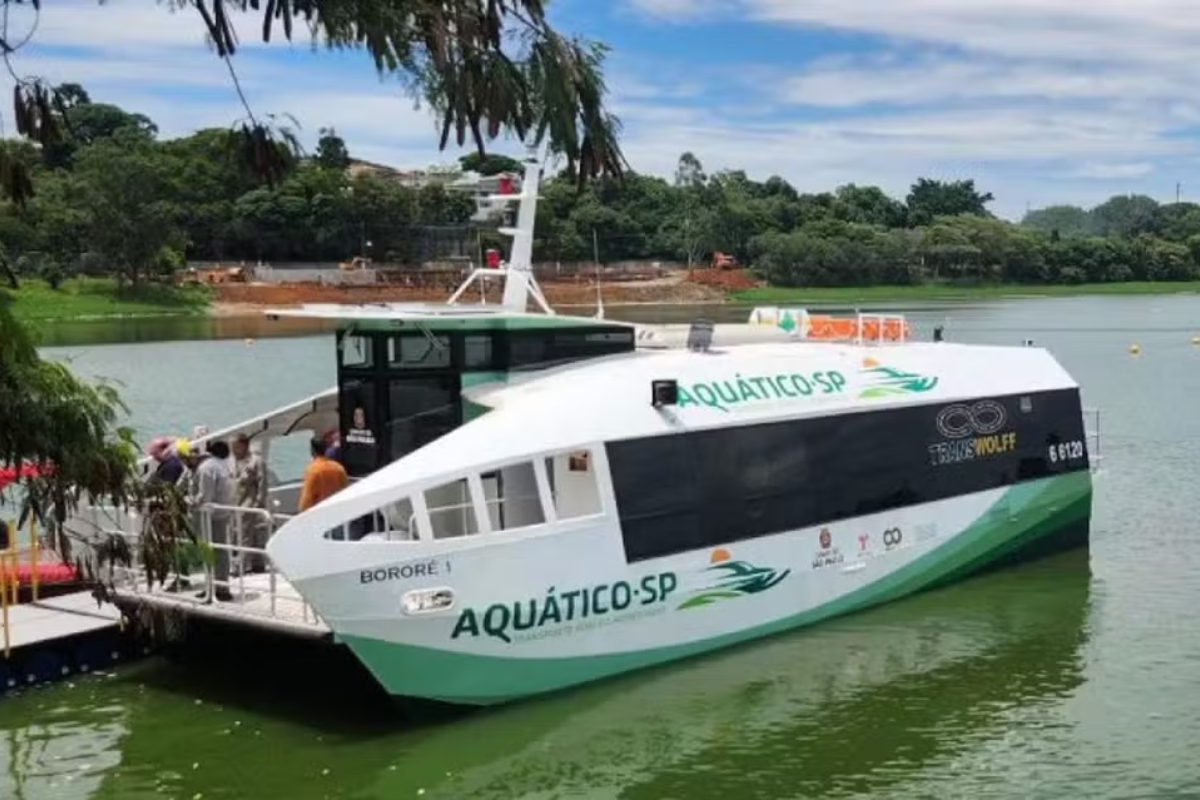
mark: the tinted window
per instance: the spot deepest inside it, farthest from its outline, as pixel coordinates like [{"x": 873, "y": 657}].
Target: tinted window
[
  {"x": 356, "y": 351},
  {"x": 420, "y": 410},
  {"x": 415, "y": 351},
  {"x": 477, "y": 351},
  {"x": 535, "y": 347},
  {"x": 713, "y": 487}
]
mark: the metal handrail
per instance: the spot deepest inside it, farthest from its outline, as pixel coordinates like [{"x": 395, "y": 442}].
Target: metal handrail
[{"x": 133, "y": 577}]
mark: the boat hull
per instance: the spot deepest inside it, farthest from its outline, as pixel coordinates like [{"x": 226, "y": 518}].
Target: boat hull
[{"x": 502, "y": 641}]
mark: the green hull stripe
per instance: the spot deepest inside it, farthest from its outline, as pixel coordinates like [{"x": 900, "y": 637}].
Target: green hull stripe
[{"x": 1025, "y": 514}]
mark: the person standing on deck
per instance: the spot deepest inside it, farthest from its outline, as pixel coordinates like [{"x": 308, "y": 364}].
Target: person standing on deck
[
  {"x": 323, "y": 477},
  {"x": 250, "y": 493},
  {"x": 168, "y": 468},
  {"x": 213, "y": 485}
]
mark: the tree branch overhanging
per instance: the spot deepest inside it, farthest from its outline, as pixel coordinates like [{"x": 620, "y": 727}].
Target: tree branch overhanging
[{"x": 483, "y": 66}]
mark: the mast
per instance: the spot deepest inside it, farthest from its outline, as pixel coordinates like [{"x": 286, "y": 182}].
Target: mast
[{"x": 517, "y": 272}]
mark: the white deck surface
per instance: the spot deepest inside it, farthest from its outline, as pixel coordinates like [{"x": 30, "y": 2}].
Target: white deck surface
[
  {"x": 251, "y": 604},
  {"x": 58, "y": 618}
]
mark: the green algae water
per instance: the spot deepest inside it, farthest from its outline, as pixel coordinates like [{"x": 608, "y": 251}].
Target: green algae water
[{"x": 1072, "y": 677}]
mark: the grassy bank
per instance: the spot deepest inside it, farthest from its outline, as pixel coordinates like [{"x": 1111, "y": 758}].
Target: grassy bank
[
  {"x": 99, "y": 298},
  {"x": 867, "y": 294}
]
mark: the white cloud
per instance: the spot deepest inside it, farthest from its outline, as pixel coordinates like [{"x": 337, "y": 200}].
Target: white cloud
[
  {"x": 1147, "y": 31},
  {"x": 682, "y": 11},
  {"x": 846, "y": 84},
  {"x": 1114, "y": 171}
]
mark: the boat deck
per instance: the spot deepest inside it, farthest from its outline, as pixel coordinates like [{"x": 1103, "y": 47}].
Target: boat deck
[{"x": 261, "y": 600}]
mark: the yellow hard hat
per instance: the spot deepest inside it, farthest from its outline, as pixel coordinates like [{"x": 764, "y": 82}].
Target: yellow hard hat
[{"x": 183, "y": 448}]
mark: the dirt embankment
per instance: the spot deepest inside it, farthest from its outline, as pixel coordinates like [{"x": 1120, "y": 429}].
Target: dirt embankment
[{"x": 702, "y": 286}]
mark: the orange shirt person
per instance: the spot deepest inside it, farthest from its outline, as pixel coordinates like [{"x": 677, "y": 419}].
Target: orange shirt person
[{"x": 323, "y": 477}]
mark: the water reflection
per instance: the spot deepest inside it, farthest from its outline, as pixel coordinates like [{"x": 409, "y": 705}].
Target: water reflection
[
  {"x": 68, "y": 749},
  {"x": 859, "y": 706}
]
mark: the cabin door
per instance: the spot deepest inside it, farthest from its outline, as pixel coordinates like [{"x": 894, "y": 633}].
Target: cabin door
[{"x": 421, "y": 408}]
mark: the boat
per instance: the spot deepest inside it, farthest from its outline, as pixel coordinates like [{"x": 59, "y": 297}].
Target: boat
[{"x": 540, "y": 501}]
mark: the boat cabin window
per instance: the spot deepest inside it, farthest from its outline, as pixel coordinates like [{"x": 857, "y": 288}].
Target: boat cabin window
[
  {"x": 417, "y": 351},
  {"x": 356, "y": 351},
  {"x": 512, "y": 499},
  {"x": 451, "y": 512},
  {"x": 525, "y": 494},
  {"x": 478, "y": 351},
  {"x": 421, "y": 409},
  {"x": 573, "y": 485},
  {"x": 533, "y": 348},
  {"x": 688, "y": 491}
]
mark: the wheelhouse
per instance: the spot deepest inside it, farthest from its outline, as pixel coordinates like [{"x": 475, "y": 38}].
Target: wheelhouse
[{"x": 401, "y": 382}]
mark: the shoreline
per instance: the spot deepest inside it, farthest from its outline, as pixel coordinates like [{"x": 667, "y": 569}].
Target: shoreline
[{"x": 86, "y": 301}]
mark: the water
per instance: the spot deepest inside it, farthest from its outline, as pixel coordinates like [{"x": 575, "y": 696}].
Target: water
[{"x": 1073, "y": 677}]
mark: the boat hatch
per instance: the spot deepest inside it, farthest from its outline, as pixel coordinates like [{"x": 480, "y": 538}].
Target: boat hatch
[{"x": 539, "y": 490}]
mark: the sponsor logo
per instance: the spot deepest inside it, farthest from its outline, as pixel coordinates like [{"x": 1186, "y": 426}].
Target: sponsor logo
[
  {"x": 971, "y": 431},
  {"x": 885, "y": 381},
  {"x": 733, "y": 579},
  {"x": 828, "y": 555},
  {"x": 892, "y": 538}
]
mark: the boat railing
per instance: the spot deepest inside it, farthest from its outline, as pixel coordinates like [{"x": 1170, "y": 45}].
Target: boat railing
[
  {"x": 265, "y": 596},
  {"x": 863, "y": 328}
]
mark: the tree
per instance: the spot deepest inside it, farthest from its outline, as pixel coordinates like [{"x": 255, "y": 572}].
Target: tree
[
  {"x": 1127, "y": 216},
  {"x": 84, "y": 122},
  {"x": 1059, "y": 220},
  {"x": 490, "y": 164},
  {"x": 331, "y": 150},
  {"x": 929, "y": 198},
  {"x": 691, "y": 230},
  {"x": 483, "y": 68},
  {"x": 122, "y": 189},
  {"x": 56, "y": 422}
]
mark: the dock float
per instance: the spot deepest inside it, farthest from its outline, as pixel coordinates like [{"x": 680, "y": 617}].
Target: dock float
[{"x": 53, "y": 638}]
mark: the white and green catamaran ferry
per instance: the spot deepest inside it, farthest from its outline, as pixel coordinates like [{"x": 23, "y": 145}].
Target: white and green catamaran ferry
[
  {"x": 542, "y": 500},
  {"x": 549, "y": 504}
]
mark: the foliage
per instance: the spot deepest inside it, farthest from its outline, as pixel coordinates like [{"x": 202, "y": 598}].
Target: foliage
[
  {"x": 94, "y": 298},
  {"x": 134, "y": 206},
  {"x": 483, "y": 66},
  {"x": 69, "y": 430}
]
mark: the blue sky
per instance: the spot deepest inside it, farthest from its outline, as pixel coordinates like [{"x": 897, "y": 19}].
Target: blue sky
[{"x": 1041, "y": 101}]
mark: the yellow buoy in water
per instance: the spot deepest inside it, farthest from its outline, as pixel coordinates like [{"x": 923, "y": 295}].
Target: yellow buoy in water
[
  {"x": 1134, "y": 349},
  {"x": 1195, "y": 340}
]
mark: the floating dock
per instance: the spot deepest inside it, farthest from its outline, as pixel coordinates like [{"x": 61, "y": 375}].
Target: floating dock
[{"x": 50, "y": 639}]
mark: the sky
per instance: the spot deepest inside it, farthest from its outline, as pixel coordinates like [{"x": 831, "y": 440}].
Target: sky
[{"x": 1039, "y": 101}]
